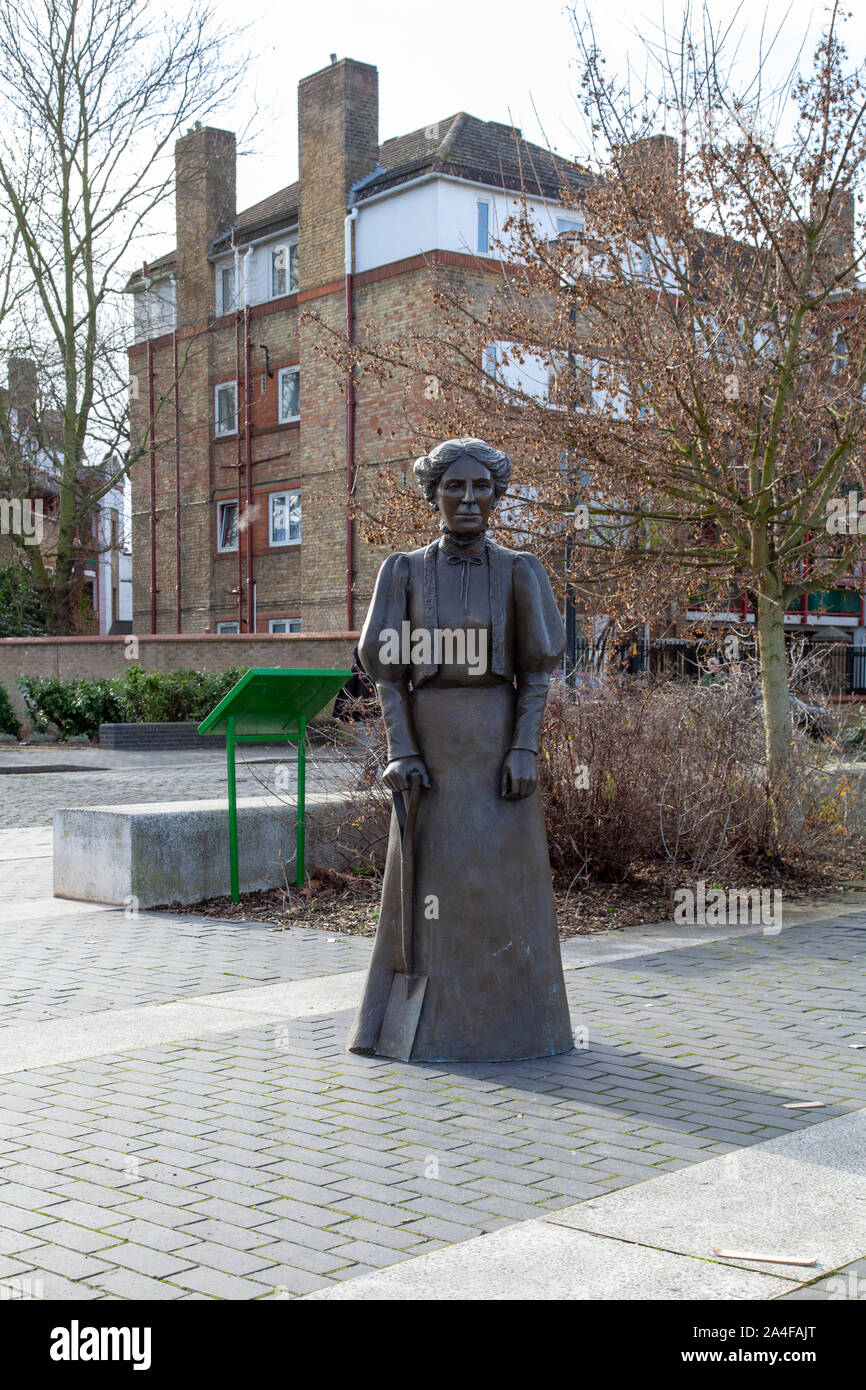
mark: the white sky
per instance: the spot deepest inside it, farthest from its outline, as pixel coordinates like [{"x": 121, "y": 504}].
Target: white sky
[{"x": 493, "y": 58}]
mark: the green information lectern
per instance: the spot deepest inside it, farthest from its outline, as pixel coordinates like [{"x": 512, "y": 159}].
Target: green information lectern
[{"x": 266, "y": 706}]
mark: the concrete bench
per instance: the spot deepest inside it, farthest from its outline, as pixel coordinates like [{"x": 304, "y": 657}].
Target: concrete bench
[{"x": 178, "y": 851}]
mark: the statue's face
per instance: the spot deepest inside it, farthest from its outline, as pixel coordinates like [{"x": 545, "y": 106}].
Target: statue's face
[{"x": 465, "y": 496}]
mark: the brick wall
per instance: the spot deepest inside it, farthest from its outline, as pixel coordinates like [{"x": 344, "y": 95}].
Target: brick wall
[
  {"x": 338, "y": 144},
  {"x": 70, "y": 657}
]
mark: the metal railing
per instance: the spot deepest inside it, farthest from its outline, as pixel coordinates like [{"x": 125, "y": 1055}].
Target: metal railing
[{"x": 832, "y": 668}]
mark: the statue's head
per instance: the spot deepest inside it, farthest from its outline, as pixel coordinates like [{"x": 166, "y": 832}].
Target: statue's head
[{"x": 463, "y": 479}]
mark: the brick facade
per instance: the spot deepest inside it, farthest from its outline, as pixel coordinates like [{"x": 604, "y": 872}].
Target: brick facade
[{"x": 338, "y": 146}]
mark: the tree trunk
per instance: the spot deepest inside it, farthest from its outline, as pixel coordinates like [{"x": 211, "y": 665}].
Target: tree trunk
[{"x": 778, "y": 732}]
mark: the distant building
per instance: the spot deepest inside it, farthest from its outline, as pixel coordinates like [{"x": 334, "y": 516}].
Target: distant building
[{"x": 31, "y": 447}]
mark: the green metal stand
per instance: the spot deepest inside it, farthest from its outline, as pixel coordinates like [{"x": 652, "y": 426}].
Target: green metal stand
[
  {"x": 232, "y": 740},
  {"x": 270, "y": 705}
]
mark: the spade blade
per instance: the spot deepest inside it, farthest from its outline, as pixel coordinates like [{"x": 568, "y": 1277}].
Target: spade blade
[{"x": 402, "y": 1012}]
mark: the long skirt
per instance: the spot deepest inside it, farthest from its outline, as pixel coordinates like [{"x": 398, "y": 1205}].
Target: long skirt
[{"x": 484, "y": 920}]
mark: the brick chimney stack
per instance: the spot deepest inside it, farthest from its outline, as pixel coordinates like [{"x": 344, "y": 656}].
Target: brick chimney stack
[
  {"x": 338, "y": 143},
  {"x": 23, "y": 384},
  {"x": 206, "y": 206},
  {"x": 653, "y": 160}
]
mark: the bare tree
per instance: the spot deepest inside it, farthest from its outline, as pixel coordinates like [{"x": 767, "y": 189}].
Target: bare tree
[
  {"x": 93, "y": 94},
  {"x": 685, "y": 374}
]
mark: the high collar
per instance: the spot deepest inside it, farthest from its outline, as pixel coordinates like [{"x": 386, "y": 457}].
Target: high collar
[{"x": 466, "y": 549}]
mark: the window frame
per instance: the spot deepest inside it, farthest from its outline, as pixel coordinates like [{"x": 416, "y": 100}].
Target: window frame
[
  {"x": 288, "y": 419},
  {"x": 222, "y": 307},
  {"x": 224, "y": 433},
  {"x": 570, "y": 226},
  {"x": 291, "y": 271},
  {"x": 482, "y": 226},
  {"x": 227, "y": 549},
  {"x": 228, "y": 628},
  {"x": 284, "y": 492},
  {"x": 289, "y": 631}
]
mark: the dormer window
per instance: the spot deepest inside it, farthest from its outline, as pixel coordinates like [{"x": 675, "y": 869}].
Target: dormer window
[
  {"x": 226, "y": 290},
  {"x": 284, "y": 269}
]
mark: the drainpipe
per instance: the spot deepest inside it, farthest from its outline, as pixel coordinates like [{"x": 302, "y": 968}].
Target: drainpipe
[
  {"x": 804, "y": 603},
  {"x": 351, "y": 217},
  {"x": 151, "y": 405},
  {"x": 97, "y": 558},
  {"x": 240, "y": 504},
  {"x": 248, "y": 439},
  {"x": 176, "y": 459}
]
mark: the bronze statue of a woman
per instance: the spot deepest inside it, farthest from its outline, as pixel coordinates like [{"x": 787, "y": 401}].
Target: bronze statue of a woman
[{"x": 460, "y": 639}]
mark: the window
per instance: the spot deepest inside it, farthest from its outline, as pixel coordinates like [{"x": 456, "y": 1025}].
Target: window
[
  {"x": 569, "y": 224},
  {"x": 226, "y": 408},
  {"x": 290, "y": 394},
  {"x": 227, "y": 525},
  {"x": 284, "y": 625},
  {"x": 483, "y": 230},
  {"x": 284, "y": 270},
  {"x": 285, "y": 518},
  {"x": 226, "y": 289},
  {"x": 227, "y": 627},
  {"x": 491, "y": 361}
]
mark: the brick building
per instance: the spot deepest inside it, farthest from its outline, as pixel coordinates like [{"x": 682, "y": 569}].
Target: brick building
[
  {"x": 251, "y": 425},
  {"x": 31, "y": 459}
]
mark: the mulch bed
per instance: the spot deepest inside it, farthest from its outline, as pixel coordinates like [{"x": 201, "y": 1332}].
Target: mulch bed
[{"x": 349, "y": 903}]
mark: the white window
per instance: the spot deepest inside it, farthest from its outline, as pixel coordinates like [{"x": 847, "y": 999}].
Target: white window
[
  {"x": 285, "y": 518},
  {"x": 569, "y": 224},
  {"x": 227, "y": 627},
  {"x": 284, "y": 625},
  {"x": 226, "y": 290},
  {"x": 491, "y": 361},
  {"x": 483, "y": 228},
  {"x": 227, "y": 525},
  {"x": 284, "y": 270},
  {"x": 226, "y": 408},
  {"x": 290, "y": 394}
]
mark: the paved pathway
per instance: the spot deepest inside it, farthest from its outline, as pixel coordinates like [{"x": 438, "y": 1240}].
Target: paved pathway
[
  {"x": 102, "y": 778},
  {"x": 179, "y": 1118}
]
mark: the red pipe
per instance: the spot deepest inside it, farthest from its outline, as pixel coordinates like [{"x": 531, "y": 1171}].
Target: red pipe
[
  {"x": 177, "y": 478},
  {"x": 239, "y": 467},
  {"x": 350, "y": 460},
  {"x": 152, "y": 409},
  {"x": 248, "y": 533},
  {"x": 96, "y": 568},
  {"x": 804, "y": 602}
]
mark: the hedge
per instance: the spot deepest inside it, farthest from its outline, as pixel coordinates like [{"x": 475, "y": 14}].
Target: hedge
[
  {"x": 8, "y": 722},
  {"x": 78, "y": 707}
]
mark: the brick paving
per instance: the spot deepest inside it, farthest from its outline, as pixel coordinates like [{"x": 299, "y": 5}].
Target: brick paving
[
  {"x": 270, "y": 1163},
  {"x": 30, "y": 799}
]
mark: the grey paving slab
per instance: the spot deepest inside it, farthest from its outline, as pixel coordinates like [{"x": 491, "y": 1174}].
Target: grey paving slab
[
  {"x": 95, "y": 1035},
  {"x": 801, "y": 1196},
  {"x": 536, "y": 1261}
]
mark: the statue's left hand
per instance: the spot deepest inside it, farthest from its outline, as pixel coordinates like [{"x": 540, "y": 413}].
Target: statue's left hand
[{"x": 519, "y": 775}]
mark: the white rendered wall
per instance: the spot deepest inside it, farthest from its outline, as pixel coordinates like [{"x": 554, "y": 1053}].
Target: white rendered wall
[{"x": 439, "y": 214}]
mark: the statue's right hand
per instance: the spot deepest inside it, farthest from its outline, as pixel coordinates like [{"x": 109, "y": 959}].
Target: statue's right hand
[{"x": 398, "y": 773}]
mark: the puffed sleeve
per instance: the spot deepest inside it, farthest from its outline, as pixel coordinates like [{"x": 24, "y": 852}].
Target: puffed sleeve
[
  {"x": 381, "y": 650},
  {"x": 538, "y": 648}
]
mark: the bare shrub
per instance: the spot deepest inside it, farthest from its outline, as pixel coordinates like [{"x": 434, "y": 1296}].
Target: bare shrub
[
  {"x": 641, "y": 775},
  {"x": 671, "y": 775}
]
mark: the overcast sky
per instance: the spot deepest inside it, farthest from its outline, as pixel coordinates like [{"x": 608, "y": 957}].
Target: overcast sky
[{"x": 498, "y": 59}]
